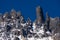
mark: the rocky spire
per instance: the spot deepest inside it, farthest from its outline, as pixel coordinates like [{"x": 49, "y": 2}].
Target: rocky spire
[
  {"x": 47, "y": 17},
  {"x": 13, "y": 13},
  {"x": 29, "y": 21},
  {"x": 39, "y": 14},
  {"x": 22, "y": 19},
  {"x": 18, "y": 14},
  {"x": 47, "y": 20},
  {"x": 5, "y": 15}
]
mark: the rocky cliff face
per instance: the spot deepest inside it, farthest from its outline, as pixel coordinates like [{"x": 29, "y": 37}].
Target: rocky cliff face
[{"x": 14, "y": 27}]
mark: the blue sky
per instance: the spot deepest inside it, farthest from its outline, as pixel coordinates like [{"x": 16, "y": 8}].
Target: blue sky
[{"x": 28, "y": 7}]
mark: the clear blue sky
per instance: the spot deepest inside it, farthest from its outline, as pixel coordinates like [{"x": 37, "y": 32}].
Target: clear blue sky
[{"x": 27, "y": 7}]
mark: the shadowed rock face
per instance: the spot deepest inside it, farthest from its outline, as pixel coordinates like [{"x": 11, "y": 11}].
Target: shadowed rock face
[
  {"x": 16, "y": 38},
  {"x": 54, "y": 25}
]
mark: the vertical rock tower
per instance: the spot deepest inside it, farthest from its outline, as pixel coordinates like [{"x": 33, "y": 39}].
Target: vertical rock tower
[
  {"x": 47, "y": 20},
  {"x": 39, "y": 14}
]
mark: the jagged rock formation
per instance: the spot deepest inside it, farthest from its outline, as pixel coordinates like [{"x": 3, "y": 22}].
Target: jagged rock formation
[
  {"x": 14, "y": 27},
  {"x": 39, "y": 14}
]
